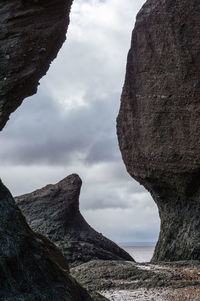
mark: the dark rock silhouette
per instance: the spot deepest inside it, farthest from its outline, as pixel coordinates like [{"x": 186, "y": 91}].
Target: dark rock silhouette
[
  {"x": 54, "y": 212},
  {"x": 32, "y": 268},
  {"x": 32, "y": 32},
  {"x": 159, "y": 123}
]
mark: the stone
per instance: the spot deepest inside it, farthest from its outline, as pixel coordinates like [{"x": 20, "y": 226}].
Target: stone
[
  {"x": 32, "y": 33},
  {"x": 130, "y": 276},
  {"x": 158, "y": 125},
  {"x": 123, "y": 280},
  {"x": 54, "y": 212},
  {"x": 32, "y": 268}
]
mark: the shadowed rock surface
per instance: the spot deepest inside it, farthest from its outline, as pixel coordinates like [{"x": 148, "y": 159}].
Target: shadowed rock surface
[
  {"x": 159, "y": 120},
  {"x": 54, "y": 212},
  {"x": 32, "y": 268},
  {"x": 32, "y": 32}
]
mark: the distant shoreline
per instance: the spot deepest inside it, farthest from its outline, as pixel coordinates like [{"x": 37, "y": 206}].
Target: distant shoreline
[
  {"x": 140, "y": 253},
  {"x": 137, "y": 244}
]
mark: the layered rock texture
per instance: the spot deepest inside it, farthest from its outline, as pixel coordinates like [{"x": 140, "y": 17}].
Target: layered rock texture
[
  {"x": 159, "y": 120},
  {"x": 32, "y": 32},
  {"x": 54, "y": 212},
  {"x": 32, "y": 268}
]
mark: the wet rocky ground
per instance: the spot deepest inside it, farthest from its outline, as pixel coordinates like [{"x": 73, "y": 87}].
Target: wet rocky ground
[{"x": 124, "y": 281}]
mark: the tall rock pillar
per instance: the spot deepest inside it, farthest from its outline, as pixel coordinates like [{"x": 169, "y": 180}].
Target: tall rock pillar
[{"x": 159, "y": 120}]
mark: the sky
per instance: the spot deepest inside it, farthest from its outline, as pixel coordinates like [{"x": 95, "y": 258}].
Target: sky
[{"x": 69, "y": 126}]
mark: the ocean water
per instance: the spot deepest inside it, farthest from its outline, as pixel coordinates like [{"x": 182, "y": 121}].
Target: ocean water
[{"x": 140, "y": 253}]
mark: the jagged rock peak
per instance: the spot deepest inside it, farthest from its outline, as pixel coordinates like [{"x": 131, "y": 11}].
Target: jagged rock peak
[
  {"x": 158, "y": 124},
  {"x": 32, "y": 33},
  {"x": 54, "y": 211},
  {"x": 32, "y": 268},
  {"x": 62, "y": 196}
]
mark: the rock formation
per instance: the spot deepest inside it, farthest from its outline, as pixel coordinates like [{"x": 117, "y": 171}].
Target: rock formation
[
  {"x": 54, "y": 212},
  {"x": 32, "y": 32},
  {"x": 32, "y": 268},
  {"x": 159, "y": 120}
]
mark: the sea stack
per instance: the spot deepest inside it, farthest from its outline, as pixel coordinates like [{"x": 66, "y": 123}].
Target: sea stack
[
  {"x": 54, "y": 212},
  {"x": 158, "y": 124}
]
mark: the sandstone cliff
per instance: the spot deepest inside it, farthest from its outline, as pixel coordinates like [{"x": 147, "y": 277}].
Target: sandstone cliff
[
  {"x": 54, "y": 212},
  {"x": 32, "y": 32},
  {"x": 159, "y": 120}
]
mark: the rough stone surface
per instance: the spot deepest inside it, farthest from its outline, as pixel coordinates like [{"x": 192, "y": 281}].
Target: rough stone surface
[
  {"x": 32, "y": 268},
  {"x": 32, "y": 32},
  {"x": 159, "y": 120},
  {"x": 54, "y": 212},
  {"x": 131, "y": 276}
]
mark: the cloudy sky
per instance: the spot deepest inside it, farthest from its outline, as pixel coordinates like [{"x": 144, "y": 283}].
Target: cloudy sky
[{"x": 69, "y": 126}]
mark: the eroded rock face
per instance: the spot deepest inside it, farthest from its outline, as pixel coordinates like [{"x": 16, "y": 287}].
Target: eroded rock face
[
  {"x": 54, "y": 212},
  {"x": 32, "y": 32},
  {"x": 32, "y": 268},
  {"x": 159, "y": 120}
]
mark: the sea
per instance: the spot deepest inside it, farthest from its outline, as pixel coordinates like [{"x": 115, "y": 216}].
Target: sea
[{"x": 140, "y": 253}]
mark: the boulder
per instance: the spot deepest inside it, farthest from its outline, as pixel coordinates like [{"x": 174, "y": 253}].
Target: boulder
[
  {"x": 54, "y": 212},
  {"x": 158, "y": 124}
]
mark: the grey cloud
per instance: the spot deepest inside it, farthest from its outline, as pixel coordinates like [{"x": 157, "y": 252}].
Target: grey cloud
[
  {"x": 104, "y": 201},
  {"x": 46, "y": 135},
  {"x": 103, "y": 148},
  {"x": 90, "y": 65},
  {"x": 125, "y": 225},
  {"x": 42, "y": 143},
  {"x": 114, "y": 194}
]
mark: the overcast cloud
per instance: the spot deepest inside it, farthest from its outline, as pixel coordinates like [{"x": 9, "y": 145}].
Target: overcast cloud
[{"x": 69, "y": 126}]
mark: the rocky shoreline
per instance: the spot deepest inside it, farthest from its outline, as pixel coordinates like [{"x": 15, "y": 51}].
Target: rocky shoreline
[
  {"x": 158, "y": 129},
  {"x": 119, "y": 280}
]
